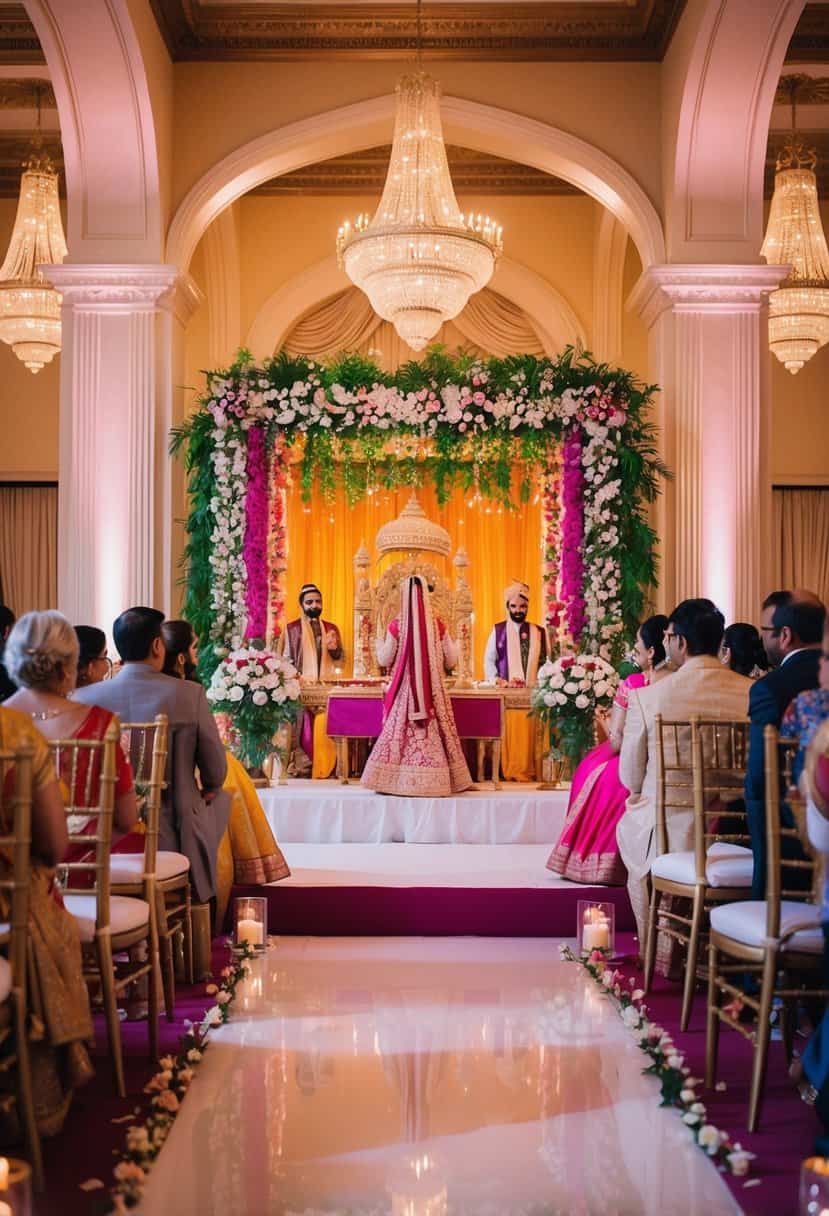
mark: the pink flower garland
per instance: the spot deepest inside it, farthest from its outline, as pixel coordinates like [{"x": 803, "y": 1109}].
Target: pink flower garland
[
  {"x": 277, "y": 541},
  {"x": 572, "y": 537},
  {"x": 256, "y": 536},
  {"x": 551, "y": 514}
]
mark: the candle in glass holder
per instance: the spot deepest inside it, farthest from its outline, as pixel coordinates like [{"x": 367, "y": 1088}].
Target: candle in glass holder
[
  {"x": 250, "y": 931},
  {"x": 251, "y": 927},
  {"x": 15, "y": 1187},
  {"x": 595, "y": 934}
]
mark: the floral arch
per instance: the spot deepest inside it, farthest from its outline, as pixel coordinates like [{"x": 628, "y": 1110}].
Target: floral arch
[{"x": 575, "y": 430}]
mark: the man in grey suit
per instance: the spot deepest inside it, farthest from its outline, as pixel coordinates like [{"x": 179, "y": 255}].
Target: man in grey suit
[{"x": 193, "y": 816}]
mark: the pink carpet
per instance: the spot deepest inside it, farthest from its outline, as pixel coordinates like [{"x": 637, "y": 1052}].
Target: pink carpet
[
  {"x": 90, "y": 1139},
  {"x": 787, "y": 1126}
]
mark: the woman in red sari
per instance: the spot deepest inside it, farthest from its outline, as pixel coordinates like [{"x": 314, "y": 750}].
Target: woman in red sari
[
  {"x": 42, "y": 654},
  {"x": 418, "y": 752}
]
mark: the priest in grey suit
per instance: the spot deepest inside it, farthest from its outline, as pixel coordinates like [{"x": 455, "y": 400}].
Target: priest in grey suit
[{"x": 194, "y": 814}]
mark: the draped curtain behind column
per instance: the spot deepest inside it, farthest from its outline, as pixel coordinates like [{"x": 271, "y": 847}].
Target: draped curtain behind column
[
  {"x": 323, "y": 538},
  {"x": 28, "y": 547},
  {"x": 489, "y": 325},
  {"x": 801, "y": 538}
]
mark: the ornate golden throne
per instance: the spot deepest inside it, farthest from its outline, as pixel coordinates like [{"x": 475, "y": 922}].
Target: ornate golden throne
[{"x": 415, "y": 536}]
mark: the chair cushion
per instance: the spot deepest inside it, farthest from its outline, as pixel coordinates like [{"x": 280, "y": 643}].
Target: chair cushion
[
  {"x": 727, "y": 865},
  {"x": 5, "y": 978},
  {"x": 125, "y": 913},
  {"x": 746, "y": 923},
  {"x": 128, "y": 867}
]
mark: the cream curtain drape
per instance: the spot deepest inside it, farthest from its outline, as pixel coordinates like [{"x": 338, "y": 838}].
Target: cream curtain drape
[
  {"x": 29, "y": 547},
  {"x": 801, "y": 539},
  {"x": 489, "y": 325}
]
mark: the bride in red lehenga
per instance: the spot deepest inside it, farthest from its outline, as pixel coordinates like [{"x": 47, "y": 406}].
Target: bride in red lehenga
[{"x": 418, "y": 751}]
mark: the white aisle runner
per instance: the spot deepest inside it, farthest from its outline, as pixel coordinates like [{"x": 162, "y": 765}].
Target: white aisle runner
[
  {"x": 326, "y": 812},
  {"x": 462, "y": 1076}
]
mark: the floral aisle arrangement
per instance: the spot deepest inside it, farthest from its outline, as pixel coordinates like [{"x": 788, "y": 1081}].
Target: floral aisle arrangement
[
  {"x": 569, "y": 691},
  {"x": 499, "y": 424},
  {"x": 258, "y": 692},
  {"x": 667, "y": 1064},
  {"x": 169, "y": 1086}
]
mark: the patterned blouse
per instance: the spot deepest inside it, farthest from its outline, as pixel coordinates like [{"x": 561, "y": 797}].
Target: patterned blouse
[{"x": 801, "y": 720}]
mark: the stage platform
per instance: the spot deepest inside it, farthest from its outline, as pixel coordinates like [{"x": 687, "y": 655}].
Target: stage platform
[
  {"x": 328, "y": 812},
  {"x": 431, "y": 890}
]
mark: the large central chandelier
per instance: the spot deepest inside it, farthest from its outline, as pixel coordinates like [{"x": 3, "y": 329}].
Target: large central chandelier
[
  {"x": 799, "y": 308},
  {"x": 418, "y": 259}
]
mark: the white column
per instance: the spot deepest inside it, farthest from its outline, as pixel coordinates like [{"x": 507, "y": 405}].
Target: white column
[
  {"x": 709, "y": 354},
  {"x": 114, "y": 470}
]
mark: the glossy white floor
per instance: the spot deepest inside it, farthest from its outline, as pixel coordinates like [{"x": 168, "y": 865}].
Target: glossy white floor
[{"x": 426, "y": 1077}]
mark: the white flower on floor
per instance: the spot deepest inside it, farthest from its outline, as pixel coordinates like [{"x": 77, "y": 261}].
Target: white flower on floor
[{"x": 709, "y": 1138}]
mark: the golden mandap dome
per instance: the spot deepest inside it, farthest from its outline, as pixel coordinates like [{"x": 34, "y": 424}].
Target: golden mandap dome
[{"x": 412, "y": 532}]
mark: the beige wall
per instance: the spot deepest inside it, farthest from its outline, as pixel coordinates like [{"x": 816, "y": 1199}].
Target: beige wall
[{"x": 220, "y": 107}]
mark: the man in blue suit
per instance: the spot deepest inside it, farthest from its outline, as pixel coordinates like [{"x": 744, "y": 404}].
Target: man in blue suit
[{"x": 792, "y": 630}]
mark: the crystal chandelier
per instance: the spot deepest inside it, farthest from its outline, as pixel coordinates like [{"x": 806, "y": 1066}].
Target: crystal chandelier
[
  {"x": 418, "y": 259},
  {"x": 29, "y": 307},
  {"x": 799, "y": 308}
]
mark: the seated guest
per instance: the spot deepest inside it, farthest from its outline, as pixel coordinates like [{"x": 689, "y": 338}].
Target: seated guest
[
  {"x": 7, "y": 684},
  {"x": 248, "y": 852},
  {"x": 57, "y": 992},
  {"x": 792, "y": 629},
  {"x": 94, "y": 664},
  {"x": 808, "y": 710},
  {"x": 586, "y": 850},
  {"x": 193, "y": 818},
  {"x": 743, "y": 651},
  {"x": 699, "y": 685},
  {"x": 42, "y": 653}
]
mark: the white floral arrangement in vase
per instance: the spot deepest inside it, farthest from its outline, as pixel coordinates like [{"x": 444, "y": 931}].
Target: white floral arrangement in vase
[
  {"x": 567, "y": 694},
  {"x": 259, "y": 692}
]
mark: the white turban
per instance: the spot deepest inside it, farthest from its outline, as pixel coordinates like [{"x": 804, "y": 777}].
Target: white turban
[{"x": 515, "y": 590}]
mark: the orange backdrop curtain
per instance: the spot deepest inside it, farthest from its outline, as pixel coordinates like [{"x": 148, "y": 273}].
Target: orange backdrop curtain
[{"x": 324, "y": 536}]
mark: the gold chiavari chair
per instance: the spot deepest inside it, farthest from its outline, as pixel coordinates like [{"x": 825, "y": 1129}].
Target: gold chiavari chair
[
  {"x": 778, "y": 939},
  {"x": 174, "y": 902},
  {"x": 15, "y": 878},
  {"x": 138, "y": 874},
  {"x": 719, "y": 867},
  {"x": 111, "y": 927}
]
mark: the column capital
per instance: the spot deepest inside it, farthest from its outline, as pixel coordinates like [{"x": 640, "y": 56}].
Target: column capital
[
  {"x": 704, "y": 288},
  {"x": 108, "y": 287}
]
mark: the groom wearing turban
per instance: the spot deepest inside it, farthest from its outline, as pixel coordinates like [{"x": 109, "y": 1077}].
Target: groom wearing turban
[
  {"x": 313, "y": 646},
  {"x": 515, "y": 650}
]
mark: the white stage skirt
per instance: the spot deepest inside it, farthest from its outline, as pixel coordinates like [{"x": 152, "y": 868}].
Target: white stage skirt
[{"x": 325, "y": 812}]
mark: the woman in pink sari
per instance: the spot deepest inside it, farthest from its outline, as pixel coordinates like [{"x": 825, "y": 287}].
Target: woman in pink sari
[
  {"x": 418, "y": 752},
  {"x": 586, "y": 850}
]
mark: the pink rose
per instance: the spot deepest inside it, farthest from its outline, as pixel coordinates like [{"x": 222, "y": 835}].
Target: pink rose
[{"x": 167, "y": 1101}]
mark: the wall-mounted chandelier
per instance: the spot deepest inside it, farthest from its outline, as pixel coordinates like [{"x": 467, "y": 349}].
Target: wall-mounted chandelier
[
  {"x": 29, "y": 307},
  {"x": 418, "y": 259},
  {"x": 799, "y": 308}
]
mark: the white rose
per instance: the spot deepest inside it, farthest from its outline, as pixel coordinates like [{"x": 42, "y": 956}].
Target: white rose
[
  {"x": 235, "y": 693},
  {"x": 260, "y": 697},
  {"x": 561, "y": 699},
  {"x": 578, "y": 672},
  {"x": 631, "y": 1017},
  {"x": 557, "y": 681},
  {"x": 739, "y": 1162},
  {"x": 582, "y": 701},
  {"x": 709, "y": 1138},
  {"x": 571, "y": 687},
  {"x": 278, "y": 695}
]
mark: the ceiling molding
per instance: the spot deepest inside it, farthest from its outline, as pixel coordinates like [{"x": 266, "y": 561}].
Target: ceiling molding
[
  {"x": 544, "y": 30},
  {"x": 365, "y": 173},
  {"x": 810, "y": 42},
  {"x": 18, "y": 41}
]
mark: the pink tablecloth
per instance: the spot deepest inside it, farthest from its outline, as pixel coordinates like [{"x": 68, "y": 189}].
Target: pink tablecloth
[{"x": 362, "y": 717}]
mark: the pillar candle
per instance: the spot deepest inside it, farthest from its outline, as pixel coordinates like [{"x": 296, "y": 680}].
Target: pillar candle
[{"x": 251, "y": 931}]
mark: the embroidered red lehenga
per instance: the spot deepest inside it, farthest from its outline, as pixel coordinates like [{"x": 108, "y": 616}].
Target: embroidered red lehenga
[{"x": 418, "y": 752}]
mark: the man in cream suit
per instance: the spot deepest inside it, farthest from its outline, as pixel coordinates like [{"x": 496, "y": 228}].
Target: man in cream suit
[
  {"x": 194, "y": 814},
  {"x": 701, "y": 686}
]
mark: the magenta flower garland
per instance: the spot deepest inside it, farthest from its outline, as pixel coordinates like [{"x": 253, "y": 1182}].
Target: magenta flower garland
[
  {"x": 572, "y": 536},
  {"x": 256, "y": 535}
]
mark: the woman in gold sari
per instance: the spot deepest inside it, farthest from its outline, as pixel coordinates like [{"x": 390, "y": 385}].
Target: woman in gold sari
[
  {"x": 58, "y": 1000},
  {"x": 248, "y": 852}
]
